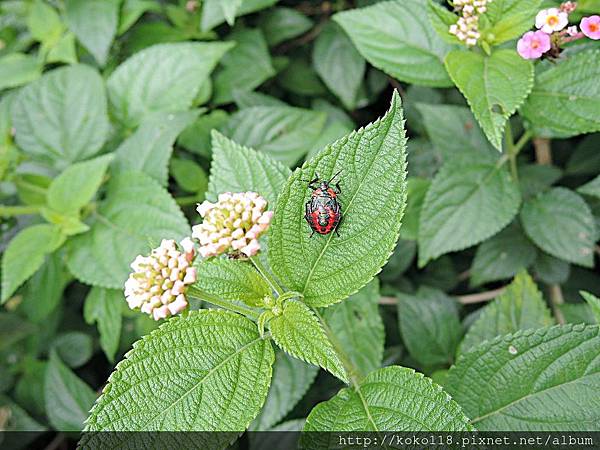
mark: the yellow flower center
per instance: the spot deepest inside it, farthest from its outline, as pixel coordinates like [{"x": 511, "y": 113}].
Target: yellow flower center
[{"x": 552, "y": 20}]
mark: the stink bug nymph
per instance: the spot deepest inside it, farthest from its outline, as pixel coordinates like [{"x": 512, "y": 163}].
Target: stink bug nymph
[{"x": 323, "y": 210}]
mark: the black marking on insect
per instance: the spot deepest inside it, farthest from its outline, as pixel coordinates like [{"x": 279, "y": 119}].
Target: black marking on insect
[{"x": 323, "y": 210}]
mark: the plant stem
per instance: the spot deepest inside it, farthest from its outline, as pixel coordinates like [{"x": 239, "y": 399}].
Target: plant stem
[
  {"x": 557, "y": 299},
  {"x": 217, "y": 301},
  {"x": 543, "y": 153},
  {"x": 524, "y": 139},
  {"x": 510, "y": 151},
  {"x": 11, "y": 211},
  {"x": 266, "y": 275},
  {"x": 463, "y": 299}
]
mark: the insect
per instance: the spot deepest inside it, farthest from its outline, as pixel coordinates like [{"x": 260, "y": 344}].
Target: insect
[{"x": 323, "y": 210}]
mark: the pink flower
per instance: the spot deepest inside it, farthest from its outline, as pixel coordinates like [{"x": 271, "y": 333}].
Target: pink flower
[
  {"x": 533, "y": 44},
  {"x": 590, "y": 26},
  {"x": 551, "y": 19}
]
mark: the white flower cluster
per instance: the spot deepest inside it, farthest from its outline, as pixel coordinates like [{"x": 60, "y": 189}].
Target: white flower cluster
[
  {"x": 158, "y": 282},
  {"x": 235, "y": 222},
  {"x": 466, "y": 29}
]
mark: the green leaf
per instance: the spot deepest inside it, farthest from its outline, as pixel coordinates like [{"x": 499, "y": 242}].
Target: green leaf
[
  {"x": 62, "y": 116},
  {"x": 189, "y": 175},
  {"x": 132, "y": 10},
  {"x": 18, "y": 420},
  {"x": 44, "y": 22},
  {"x": 149, "y": 149},
  {"x": 12, "y": 329},
  {"x": 238, "y": 169},
  {"x": 232, "y": 280},
  {"x": 285, "y": 133},
  {"x": 17, "y": 69},
  {"x": 509, "y": 19},
  {"x": 397, "y": 38},
  {"x": 135, "y": 216},
  {"x": 94, "y": 23},
  {"x": 213, "y": 13},
  {"x": 75, "y": 187},
  {"x": 327, "y": 269},
  {"x": 164, "y": 77},
  {"x": 591, "y": 188},
  {"x": 247, "y": 99},
  {"x": 299, "y": 77},
  {"x": 416, "y": 192},
  {"x": 551, "y": 270},
  {"x": 196, "y": 137},
  {"x": 502, "y": 256},
  {"x": 593, "y": 302},
  {"x": 64, "y": 50},
  {"x": 291, "y": 380},
  {"x": 585, "y": 160},
  {"x": 429, "y": 326},
  {"x": 390, "y": 399},
  {"x": 561, "y": 223},
  {"x": 103, "y": 307},
  {"x": 537, "y": 178},
  {"x": 564, "y": 100},
  {"x": 494, "y": 86},
  {"x": 25, "y": 254},
  {"x": 68, "y": 398},
  {"x": 281, "y": 24},
  {"x": 211, "y": 372},
  {"x": 519, "y": 307},
  {"x": 470, "y": 200},
  {"x": 339, "y": 64},
  {"x": 249, "y": 54},
  {"x": 298, "y": 332},
  {"x": 441, "y": 19},
  {"x": 357, "y": 326},
  {"x": 516, "y": 382},
  {"x": 75, "y": 348}
]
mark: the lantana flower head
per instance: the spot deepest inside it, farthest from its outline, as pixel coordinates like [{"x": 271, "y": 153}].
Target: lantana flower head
[
  {"x": 234, "y": 222},
  {"x": 466, "y": 29},
  {"x": 533, "y": 44},
  {"x": 551, "y": 20},
  {"x": 590, "y": 26},
  {"x": 159, "y": 281}
]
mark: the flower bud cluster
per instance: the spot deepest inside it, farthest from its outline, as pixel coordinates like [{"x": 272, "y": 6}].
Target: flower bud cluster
[
  {"x": 159, "y": 281},
  {"x": 466, "y": 29},
  {"x": 235, "y": 222}
]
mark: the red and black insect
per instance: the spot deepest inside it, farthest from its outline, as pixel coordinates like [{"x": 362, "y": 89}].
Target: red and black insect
[{"x": 323, "y": 210}]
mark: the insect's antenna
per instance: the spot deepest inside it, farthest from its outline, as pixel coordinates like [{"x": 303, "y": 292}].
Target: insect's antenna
[{"x": 333, "y": 177}]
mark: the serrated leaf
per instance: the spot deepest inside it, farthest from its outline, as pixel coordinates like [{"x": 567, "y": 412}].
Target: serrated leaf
[
  {"x": 207, "y": 372},
  {"x": 68, "y": 398},
  {"x": 494, "y": 86},
  {"x": 284, "y": 132},
  {"x": 164, "y": 77},
  {"x": 327, "y": 269},
  {"x": 397, "y": 38},
  {"x": 560, "y": 223},
  {"x": 232, "y": 280},
  {"x": 149, "y": 149},
  {"x": 298, "y": 332},
  {"x": 564, "y": 100},
  {"x": 339, "y": 64},
  {"x": 516, "y": 382},
  {"x": 213, "y": 14},
  {"x": 136, "y": 215},
  {"x": 470, "y": 200},
  {"x": 291, "y": 380},
  {"x": 502, "y": 256},
  {"x": 238, "y": 169},
  {"x": 61, "y": 117},
  {"x": 591, "y": 188},
  {"x": 94, "y": 22},
  {"x": 519, "y": 307},
  {"x": 429, "y": 326},
  {"x": 17, "y": 69},
  {"x": 103, "y": 307},
  {"x": 357, "y": 326},
  {"x": 509, "y": 19},
  {"x": 594, "y": 304},
  {"x": 25, "y": 254},
  {"x": 250, "y": 53},
  {"x": 281, "y": 24},
  {"x": 390, "y": 399}
]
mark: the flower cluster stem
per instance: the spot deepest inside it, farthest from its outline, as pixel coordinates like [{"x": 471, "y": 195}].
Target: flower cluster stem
[
  {"x": 266, "y": 275},
  {"x": 11, "y": 211},
  {"x": 199, "y": 294}
]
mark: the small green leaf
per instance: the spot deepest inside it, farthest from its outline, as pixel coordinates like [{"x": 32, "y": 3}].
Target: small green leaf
[
  {"x": 281, "y": 24},
  {"x": 516, "y": 381},
  {"x": 537, "y": 178},
  {"x": 591, "y": 188},
  {"x": 103, "y": 307},
  {"x": 213, "y": 13},
  {"x": 44, "y": 22},
  {"x": 298, "y": 332},
  {"x": 196, "y": 137},
  {"x": 17, "y": 69},
  {"x": 64, "y": 50},
  {"x": 593, "y": 302},
  {"x": 25, "y": 254},
  {"x": 416, "y": 192},
  {"x": 494, "y": 86},
  {"x": 75, "y": 348},
  {"x": 441, "y": 19},
  {"x": 132, "y": 10},
  {"x": 189, "y": 175},
  {"x": 560, "y": 223},
  {"x": 509, "y": 19},
  {"x": 551, "y": 270},
  {"x": 585, "y": 159}
]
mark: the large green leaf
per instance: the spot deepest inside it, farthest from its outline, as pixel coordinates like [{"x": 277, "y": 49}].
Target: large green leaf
[
  {"x": 397, "y": 38},
  {"x": 470, "y": 200},
  {"x": 389, "y": 399},
  {"x": 17, "y": 69},
  {"x": 561, "y": 223},
  {"x": 207, "y": 372},
  {"x": 135, "y": 216},
  {"x": 429, "y": 326},
  {"x": 298, "y": 332},
  {"x": 61, "y": 117},
  {"x": 509, "y": 19},
  {"x": 285, "y": 133},
  {"x": 238, "y": 169},
  {"x": 358, "y": 328},
  {"x": 564, "y": 100},
  {"x": 164, "y": 77},
  {"x": 94, "y": 22},
  {"x": 494, "y": 86},
  {"x": 521, "y": 306},
  {"x": 25, "y": 254},
  {"x": 534, "y": 380},
  {"x": 327, "y": 269},
  {"x": 103, "y": 306}
]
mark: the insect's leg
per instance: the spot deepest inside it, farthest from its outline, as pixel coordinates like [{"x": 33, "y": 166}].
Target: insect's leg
[
  {"x": 337, "y": 186},
  {"x": 338, "y": 225},
  {"x": 312, "y": 234}
]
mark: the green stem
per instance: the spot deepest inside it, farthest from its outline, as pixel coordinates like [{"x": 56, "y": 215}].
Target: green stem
[
  {"x": 510, "y": 151},
  {"x": 217, "y": 301},
  {"x": 266, "y": 275},
  {"x": 11, "y": 211},
  {"x": 524, "y": 139},
  {"x": 189, "y": 200}
]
